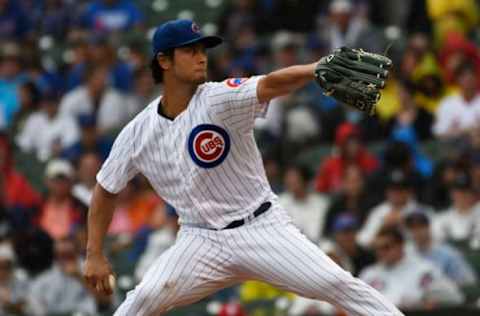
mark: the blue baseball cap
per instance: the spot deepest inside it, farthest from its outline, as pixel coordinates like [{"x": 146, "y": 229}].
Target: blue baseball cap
[{"x": 177, "y": 33}]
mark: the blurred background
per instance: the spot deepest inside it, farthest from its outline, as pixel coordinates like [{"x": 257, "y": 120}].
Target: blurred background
[{"x": 393, "y": 199}]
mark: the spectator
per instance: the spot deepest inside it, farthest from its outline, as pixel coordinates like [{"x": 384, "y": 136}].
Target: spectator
[
  {"x": 99, "y": 53},
  {"x": 408, "y": 281},
  {"x": 285, "y": 46},
  {"x": 346, "y": 27},
  {"x": 143, "y": 92},
  {"x": 236, "y": 16},
  {"x": 461, "y": 222},
  {"x": 399, "y": 202},
  {"x": 112, "y": 15},
  {"x": 90, "y": 141},
  {"x": 452, "y": 16},
  {"x": 33, "y": 249},
  {"x": 444, "y": 257},
  {"x": 30, "y": 97},
  {"x": 57, "y": 18},
  {"x": 429, "y": 84},
  {"x": 11, "y": 77},
  {"x": 456, "y": 50},
  {"x": 63, "y": 279},
  {"x": 353, "y": 199},
  {"x": 396, "y": 156},
  {"x": 46, "y": 133},
  {"x": 14, "y": 22},
  {"x": 61, "y": 212},
  {"x": 352, "y": 256},
  {"x": 459, "y": 113},
  {"x": 411, "y": 120},
  {"x": 13, "y": 283},
  {"x": 439, "y": 185},
  {"x": 95, "y": 97},
  {"x": 349, "y": 151},
  {"x": 135, "y": 207},
  {"x": 232, "y": 309},
  {"x": 164, "y": 223},
  {"x": 307, "y": 209},
  {"x": 88, "y": 165},
  {"x": 422, "y": 163},
  {"x": 18, "y": 197}
]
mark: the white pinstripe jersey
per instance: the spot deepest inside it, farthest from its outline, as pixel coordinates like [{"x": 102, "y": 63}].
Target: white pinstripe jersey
[{"x": 205, "y": 162}]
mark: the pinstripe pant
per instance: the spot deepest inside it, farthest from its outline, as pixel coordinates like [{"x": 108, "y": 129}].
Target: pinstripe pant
[{"x": 268, "y": 249}]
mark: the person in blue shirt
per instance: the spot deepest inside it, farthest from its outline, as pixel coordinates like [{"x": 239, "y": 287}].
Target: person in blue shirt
[
  {"x": 112, "y": 15},
  {"x": 89, "y": 141},
  {"x": 445, "y": 257},
  {"x": 102, "y": 53},
  {"x": 11, "y": 78}
]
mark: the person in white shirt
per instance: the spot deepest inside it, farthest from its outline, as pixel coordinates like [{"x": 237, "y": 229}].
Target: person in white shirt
[
  {"x": 399, "y": 202},
  {"x": 96, "y": 97},
  {"x": 305, "y": 207},
  {"x": 461, "y": 222},
  {"x": 442, "y": 255},
  {"x": 46, "y": 132},
  {"x": 409, "y": 281},
  {"x": 459, "y": 113}
]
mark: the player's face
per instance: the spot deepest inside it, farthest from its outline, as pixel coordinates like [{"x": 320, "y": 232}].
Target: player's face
[{"x": 190, "y": 63}]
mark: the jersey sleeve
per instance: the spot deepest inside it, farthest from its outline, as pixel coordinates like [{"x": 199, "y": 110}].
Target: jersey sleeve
[
  {"x": 119, "y": 167},
  {"x": 235, "y": 102}
]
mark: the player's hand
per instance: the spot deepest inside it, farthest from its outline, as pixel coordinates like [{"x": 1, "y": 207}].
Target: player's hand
[{"x": 98, "y": 274}]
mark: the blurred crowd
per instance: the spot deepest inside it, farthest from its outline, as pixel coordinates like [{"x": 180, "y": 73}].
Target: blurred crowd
[{"x": 394, "y": 198}]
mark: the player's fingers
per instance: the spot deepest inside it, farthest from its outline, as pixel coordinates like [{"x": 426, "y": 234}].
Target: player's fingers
[
  {"x": 105, "y": 285},
  {"x": 91, "y": 281},
  {"x": 99, "y": 286}
]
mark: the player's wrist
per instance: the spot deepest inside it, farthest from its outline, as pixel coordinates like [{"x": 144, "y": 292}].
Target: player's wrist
[{"x": 94, "y": 252}]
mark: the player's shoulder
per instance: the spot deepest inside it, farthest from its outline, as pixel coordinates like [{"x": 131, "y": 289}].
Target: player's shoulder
[{"x": 229, "y": 84}]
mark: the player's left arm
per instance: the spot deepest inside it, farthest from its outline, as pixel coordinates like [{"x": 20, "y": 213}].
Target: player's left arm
[{"x": 284, "y": 81}]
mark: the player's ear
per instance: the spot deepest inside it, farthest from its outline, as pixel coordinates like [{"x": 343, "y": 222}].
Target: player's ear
[{"x": 164, "y": 60}]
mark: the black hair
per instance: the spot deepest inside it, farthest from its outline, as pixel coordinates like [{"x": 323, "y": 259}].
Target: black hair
[
  {"x": 397, "y": 155},
  {"x": 34, "y": 92},
  {"x": 393, "y": 232},
  {"x": 302, "y": 170},
  {"x": 156, "y": 69}
]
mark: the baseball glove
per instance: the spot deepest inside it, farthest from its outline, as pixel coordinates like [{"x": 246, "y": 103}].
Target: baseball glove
[{"x": 353, "y": 77}]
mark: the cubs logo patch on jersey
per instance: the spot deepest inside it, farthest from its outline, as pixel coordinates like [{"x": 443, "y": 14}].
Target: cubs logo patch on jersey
[
  {"x": 235, "y": 82},
  {"x": 208, "y": 145}
]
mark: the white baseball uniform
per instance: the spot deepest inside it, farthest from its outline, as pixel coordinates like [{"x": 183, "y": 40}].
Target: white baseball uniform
[{"x": 206, "y": 164}]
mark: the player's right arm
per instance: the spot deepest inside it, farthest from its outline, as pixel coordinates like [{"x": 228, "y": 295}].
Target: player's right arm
[
  {"x": 114, "y": 175},
  {"x": 97, "y": 268}
]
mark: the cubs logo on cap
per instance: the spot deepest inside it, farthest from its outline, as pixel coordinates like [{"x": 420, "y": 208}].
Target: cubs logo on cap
[
  {"x": 235, "y": 82},
  {"x": 208, "y": 145}
]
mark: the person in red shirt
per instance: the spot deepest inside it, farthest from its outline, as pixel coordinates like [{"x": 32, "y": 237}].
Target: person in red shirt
[
  {"x": 349, "y": 151},
  {"x": 16, "y": 193}
]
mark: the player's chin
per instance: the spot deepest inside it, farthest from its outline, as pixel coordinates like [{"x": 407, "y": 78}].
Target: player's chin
[{"x": 199, "y": 78}]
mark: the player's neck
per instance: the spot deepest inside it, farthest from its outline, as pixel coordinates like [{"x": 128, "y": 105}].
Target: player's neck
[{"x": 176, "y": 97}]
